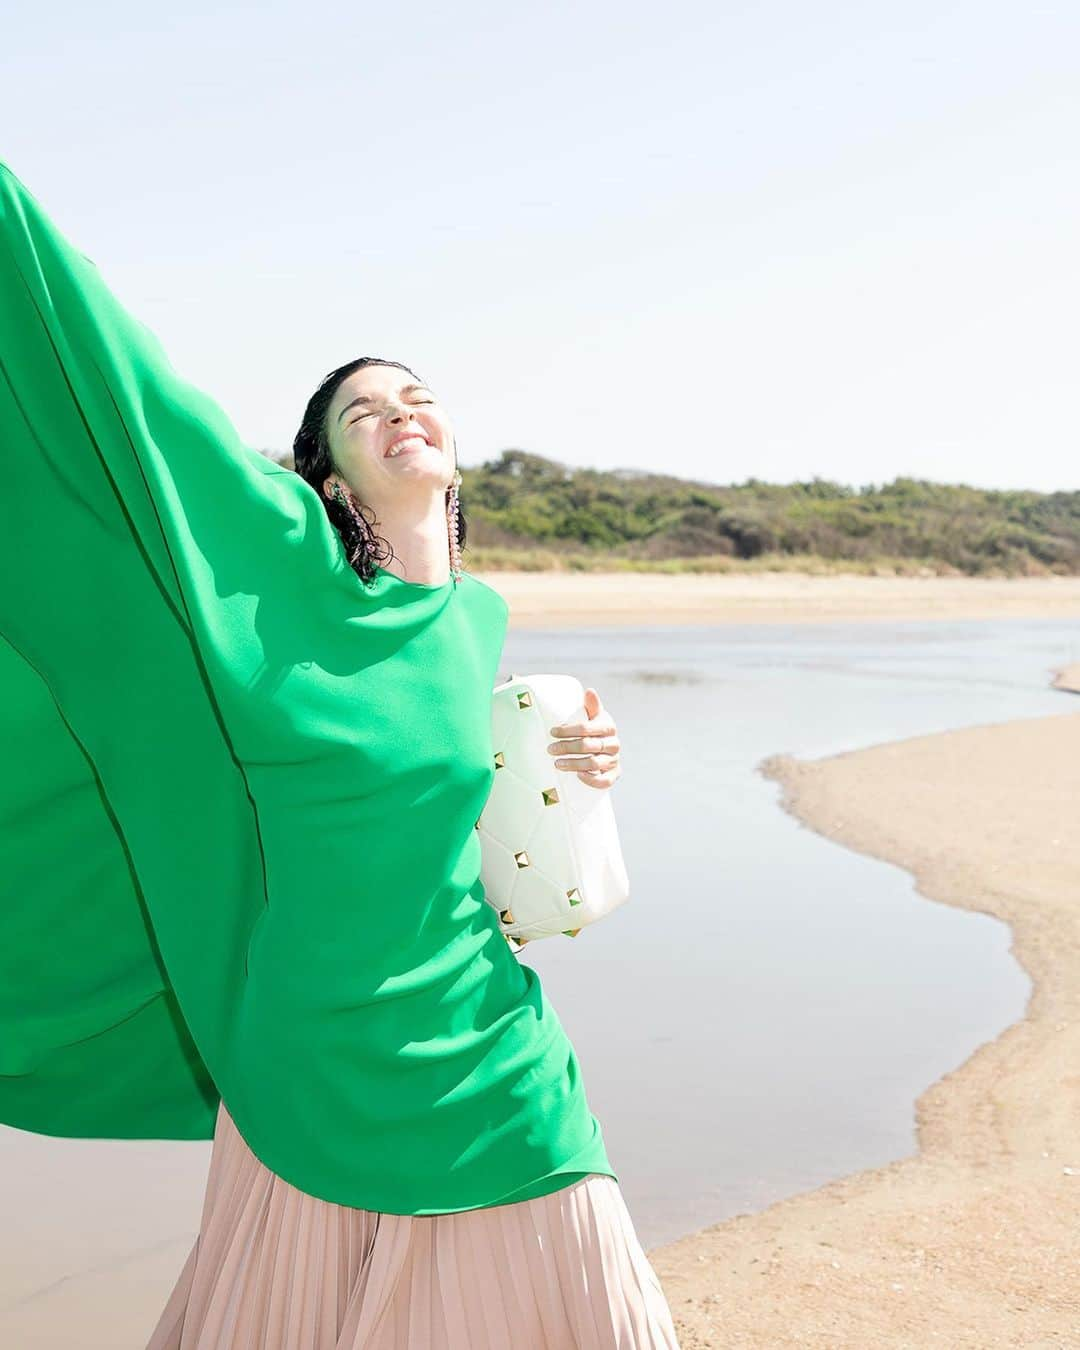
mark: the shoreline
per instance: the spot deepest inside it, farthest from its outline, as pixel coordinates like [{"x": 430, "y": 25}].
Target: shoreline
[
  {"x": 970, "y": 1242},
  {"x": 967, "y": 1243},
  {"x": 601, "y": 599}
]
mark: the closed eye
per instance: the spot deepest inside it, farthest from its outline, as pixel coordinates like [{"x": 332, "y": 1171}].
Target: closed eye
[{"x": 362, "y": 415}]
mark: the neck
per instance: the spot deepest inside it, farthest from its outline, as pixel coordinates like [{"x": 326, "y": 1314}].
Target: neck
[{"x": 418, "y": 534}]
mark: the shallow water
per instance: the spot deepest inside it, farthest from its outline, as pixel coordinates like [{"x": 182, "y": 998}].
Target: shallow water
[
  {"x": 761, "y": 1015},
  {"x": 758, "y": 1018}
]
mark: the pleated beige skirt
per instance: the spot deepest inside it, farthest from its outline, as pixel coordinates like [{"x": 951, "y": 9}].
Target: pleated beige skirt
[{"x": 274, "y": 1268}]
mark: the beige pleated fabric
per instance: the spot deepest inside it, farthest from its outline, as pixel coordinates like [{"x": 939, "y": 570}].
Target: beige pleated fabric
[{"x": 274, "y": 1268}]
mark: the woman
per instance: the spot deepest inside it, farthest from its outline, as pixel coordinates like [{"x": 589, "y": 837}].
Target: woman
[{"x": 255, "y": 757}]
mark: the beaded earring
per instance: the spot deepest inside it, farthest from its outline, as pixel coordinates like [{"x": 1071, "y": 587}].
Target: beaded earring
[{"x": 452, "y": 509}]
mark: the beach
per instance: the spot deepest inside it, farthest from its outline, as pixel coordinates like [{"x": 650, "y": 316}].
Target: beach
[
  {"x": 1068, "y": 679},
  {"x": 972, "y": 1243},
  {"x": 570, "y": 599}
]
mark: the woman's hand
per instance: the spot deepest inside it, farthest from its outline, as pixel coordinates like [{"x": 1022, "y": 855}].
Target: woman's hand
[{"x": 592, "y": 746}]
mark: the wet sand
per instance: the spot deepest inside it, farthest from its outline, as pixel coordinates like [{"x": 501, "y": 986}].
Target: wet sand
[
  {"x": 974, "y": 1242},
  {"x": 564, "y": 599},
  {"x": 1068, "y": 678}
]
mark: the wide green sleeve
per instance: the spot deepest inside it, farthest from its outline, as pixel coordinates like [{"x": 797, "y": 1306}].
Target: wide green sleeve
[
  {"x": 238, "y": 855},
  {"x": 137, "y": 538}
]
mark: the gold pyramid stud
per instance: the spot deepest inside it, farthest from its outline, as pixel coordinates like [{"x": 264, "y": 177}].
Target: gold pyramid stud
[
  {"x": 571, "y": 932},
  {"x": 500, "y": 761},
  {"x": 476, "y": 826},
  {"x": 574, "y": 895},
  {"x": 550, "y": 796},
  {"x": 518, "y": 858},
  {"x": 521, "y": 941},
  {"x": 506, "y": 916},
  {"x": 524, "y": 699}
]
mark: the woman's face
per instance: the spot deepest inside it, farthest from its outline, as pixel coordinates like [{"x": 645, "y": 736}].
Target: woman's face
[{"x": 370, "y": 414}]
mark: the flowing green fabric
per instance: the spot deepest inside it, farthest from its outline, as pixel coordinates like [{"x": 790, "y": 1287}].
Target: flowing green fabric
[{"x": 237, "y": 847}]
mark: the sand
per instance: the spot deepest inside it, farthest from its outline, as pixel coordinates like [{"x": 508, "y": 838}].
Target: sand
[
  {"x": 971, "y": 1244},
  {"x": 974, "y": 1242},
  {"x": 600, "y": 599},
  {"x": 1068, "y": 678}
]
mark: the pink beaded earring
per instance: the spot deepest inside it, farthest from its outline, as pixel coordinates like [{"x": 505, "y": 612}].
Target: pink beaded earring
[{"x": 452, "y": 525}]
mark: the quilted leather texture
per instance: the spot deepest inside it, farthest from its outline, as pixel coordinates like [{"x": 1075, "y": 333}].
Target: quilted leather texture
[{"x": 551, "y": 859}]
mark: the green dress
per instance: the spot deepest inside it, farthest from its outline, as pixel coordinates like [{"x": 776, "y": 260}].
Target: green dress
[{"x": 238, "y": 855}]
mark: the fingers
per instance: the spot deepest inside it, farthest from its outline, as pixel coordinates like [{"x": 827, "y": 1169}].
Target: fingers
[
  {"x": 586, "y": 745},
  {"x": 598, "y": 763},
  {"x": 595, "y": 726},
  {"x": 594, "y": 744}
]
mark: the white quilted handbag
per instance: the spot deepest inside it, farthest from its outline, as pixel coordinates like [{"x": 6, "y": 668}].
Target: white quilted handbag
[{"x": 551, "y": 860}]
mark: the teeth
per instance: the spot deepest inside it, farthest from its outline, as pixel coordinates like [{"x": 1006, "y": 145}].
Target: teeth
[{"x": 396, "y": 449}]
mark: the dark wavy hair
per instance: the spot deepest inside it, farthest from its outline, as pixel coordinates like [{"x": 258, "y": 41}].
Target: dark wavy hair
[{"x": 312, "y": 461}]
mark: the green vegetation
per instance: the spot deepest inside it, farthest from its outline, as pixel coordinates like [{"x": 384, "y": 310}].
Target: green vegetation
[{"x": 526, "y": 512}]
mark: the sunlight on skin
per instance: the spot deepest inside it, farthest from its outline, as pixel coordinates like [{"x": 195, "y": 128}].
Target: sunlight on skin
[{"x": 592, "y": 744}]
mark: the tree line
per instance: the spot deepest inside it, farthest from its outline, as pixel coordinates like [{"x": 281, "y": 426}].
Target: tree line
[
  {"x": 525, "y": 510},
  {"x": 523, "y": 501}
]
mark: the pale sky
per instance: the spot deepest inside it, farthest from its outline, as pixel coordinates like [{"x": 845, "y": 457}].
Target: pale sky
[{"x": 719, "y": 239}]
